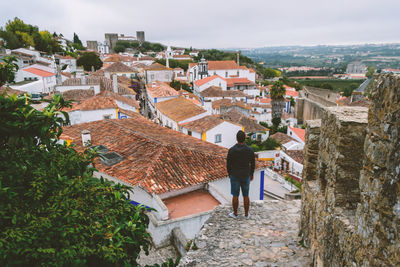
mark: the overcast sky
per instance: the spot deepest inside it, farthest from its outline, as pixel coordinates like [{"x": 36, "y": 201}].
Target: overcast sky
[{"x": 216, "y": 23}]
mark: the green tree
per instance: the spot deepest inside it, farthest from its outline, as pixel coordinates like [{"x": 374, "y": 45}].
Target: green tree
[
  {"x": 7, "y": 70},
  {"x": 119, "y": 48},
  {"x": 76, "y": 40},
  {"x": 53, "y": 211},
  {"x": 370, "y": 71},
  {"x": 87, "y": 60},
  {"x": 278, "y": 101}
]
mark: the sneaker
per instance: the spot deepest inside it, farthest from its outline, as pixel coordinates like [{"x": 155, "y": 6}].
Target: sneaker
[
  {"x": 248, "y": 216},
  {"x": 233, "y": 215}
]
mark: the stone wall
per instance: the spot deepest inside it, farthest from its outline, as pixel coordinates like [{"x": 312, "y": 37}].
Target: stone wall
[
  {"x": 310, "y": 105},
  {"x": 350, "y": 214}
]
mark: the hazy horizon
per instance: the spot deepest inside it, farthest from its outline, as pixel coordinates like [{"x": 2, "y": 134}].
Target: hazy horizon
[{"x": 217, "y": 24}]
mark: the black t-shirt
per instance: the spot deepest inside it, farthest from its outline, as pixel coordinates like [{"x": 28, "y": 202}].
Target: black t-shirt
[{"x": 240, "y": 162}]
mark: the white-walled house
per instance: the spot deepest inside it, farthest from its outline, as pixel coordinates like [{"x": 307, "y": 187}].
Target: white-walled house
[
  {"x": 224, "y": 68},
  {"x": 66, "y": 63},
  {"x": 176, "y": 111},
  {"x": 203, "y": 84},
  {"x": 297, "y": 133},
  {"x": 168, "y": 167},
  {"x": 35, "y": 79},
  {"x": 251, "y": 127},
  {"x": 156, "y": 92},
  {"x": 213, "y": 129},
  {"x": 158, "y": 72},
  {"x": 120, "y": 69},
  {"x": 108, "y": 105}
]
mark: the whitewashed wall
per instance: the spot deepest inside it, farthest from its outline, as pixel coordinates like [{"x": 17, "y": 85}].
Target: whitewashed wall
[
  {"x": 224, "y": 186},
  {"x": 228, "y": 134},
  {"x": 81, "y": 116},
  {"x": 159, "y": 75}
]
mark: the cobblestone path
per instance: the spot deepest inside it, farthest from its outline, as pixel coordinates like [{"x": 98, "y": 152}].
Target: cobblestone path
[{"x": 268, "y": 238}]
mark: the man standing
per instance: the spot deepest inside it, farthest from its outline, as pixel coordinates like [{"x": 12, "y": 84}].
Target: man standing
[{"x": 240, "y": 164}]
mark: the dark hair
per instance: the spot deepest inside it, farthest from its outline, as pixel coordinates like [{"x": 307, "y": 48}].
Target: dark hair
[{"x": 240, "y": 136}]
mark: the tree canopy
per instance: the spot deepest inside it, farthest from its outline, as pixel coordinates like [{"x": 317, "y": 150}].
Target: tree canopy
[
  {"x": 7, "y": 70},
  {"x": 89, "y": 59},
  {"x": 53, "y": 212},
  {"x": 19, "y": 34}
]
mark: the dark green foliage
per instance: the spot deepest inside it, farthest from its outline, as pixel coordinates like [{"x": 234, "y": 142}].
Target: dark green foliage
[
  {"x": 18, "y": 34},
  {"x": 52, "y": 211},
  {"x": 277, "y": 90},
  {"x": 269, "y": 144},
  {"x": 87, "y": 60},
  {"x": 7, "y": 70},
  {"x": 334, "y": 84},
  {"x": 173, "y": 63},
  {"x": 275, "y": 122},
  {"x": 177, "y": 85},
  {"x": 76, "y": 40},
  {"x": 293, "y": 181},
  {"x": 119, "y": 48}
]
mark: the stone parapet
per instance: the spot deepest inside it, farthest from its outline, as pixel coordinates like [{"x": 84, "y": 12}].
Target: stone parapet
[{"x": 350, "y": 213}]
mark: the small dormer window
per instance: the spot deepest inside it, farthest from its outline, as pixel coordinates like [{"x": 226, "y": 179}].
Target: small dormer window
[{"x": 111, "y": 158}]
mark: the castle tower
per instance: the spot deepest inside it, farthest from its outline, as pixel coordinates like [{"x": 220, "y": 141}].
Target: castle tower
[{"x": 203, "y": 68}]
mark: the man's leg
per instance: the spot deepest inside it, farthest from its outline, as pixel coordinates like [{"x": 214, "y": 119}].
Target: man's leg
[
  {"x": 245, "y": 185},
  {"x": 235, "y": 189},
  {"x": 246, "y": 202},
  {"x": 235, "y": 204}
]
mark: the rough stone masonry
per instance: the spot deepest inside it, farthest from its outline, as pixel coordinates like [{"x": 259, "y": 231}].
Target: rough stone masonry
[{"x": 350, "y": 214}]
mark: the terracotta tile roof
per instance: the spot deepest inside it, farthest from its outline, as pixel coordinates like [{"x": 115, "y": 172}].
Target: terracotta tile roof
[
  {"x": 223, "y": 65},
  {"x": 191, "y": 65},
  {"x": 216, "y": 91},
  {"x": 94, "y": 103},
  {"x": 39, "y": 72},
  {"x": 157, "y": 66},
  {"x": 147, "y": 58},
  {"x": 264, "y": 100},
  {"x": 238, "y": 81},
  {"x": 66, "y": 74},
  {"x": 282, "y": 138},
  {"x": 252, "y": 71},
  {"x": 105, "y": 84},
  {"x": 292, "y": 93},
  {"x": 77, "y": 95},
  {"x": 156, "y": 158},
  {"x": 296, "y": 155},
  {"x": 217, "y": 104},
  {"x": 183, "y": 56},
  {"x": 301, "y": 133},
  {"x": 127, "y": 100},
  {"x": 10, "y": 91},
  {"x": 179, "y": 108},
  {"x": 120, "y": 67},
  {"x": 204, "y": 124},
  {"x": 207, "y": 79},
  {"x": 343, "y": 101},
  {"x": 160, "y": 89},
  {"x": 250, "y": 125}
]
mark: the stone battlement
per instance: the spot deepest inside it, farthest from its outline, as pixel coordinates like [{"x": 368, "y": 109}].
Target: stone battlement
[{"x": 350, "y": 214}]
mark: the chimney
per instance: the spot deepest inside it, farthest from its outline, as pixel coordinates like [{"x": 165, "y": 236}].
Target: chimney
[
  {"x": 238, "y": 54},
  {"x": 115, "y": 84},
  {"x": 86, "y": 139}
]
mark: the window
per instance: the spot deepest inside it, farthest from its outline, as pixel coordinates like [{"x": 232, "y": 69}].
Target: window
[
  {"x": 215, "y": 73},
  {"x": 238, "y": 73},
  {"x": 258, "y": 137},
  {"x": 190, "y": 133},
  {"x": 226, "y": 74},
  {"x": 107, "y": 117},
  {"x": 152, "y": 76},
  {"x": 218, "y": 138}
]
